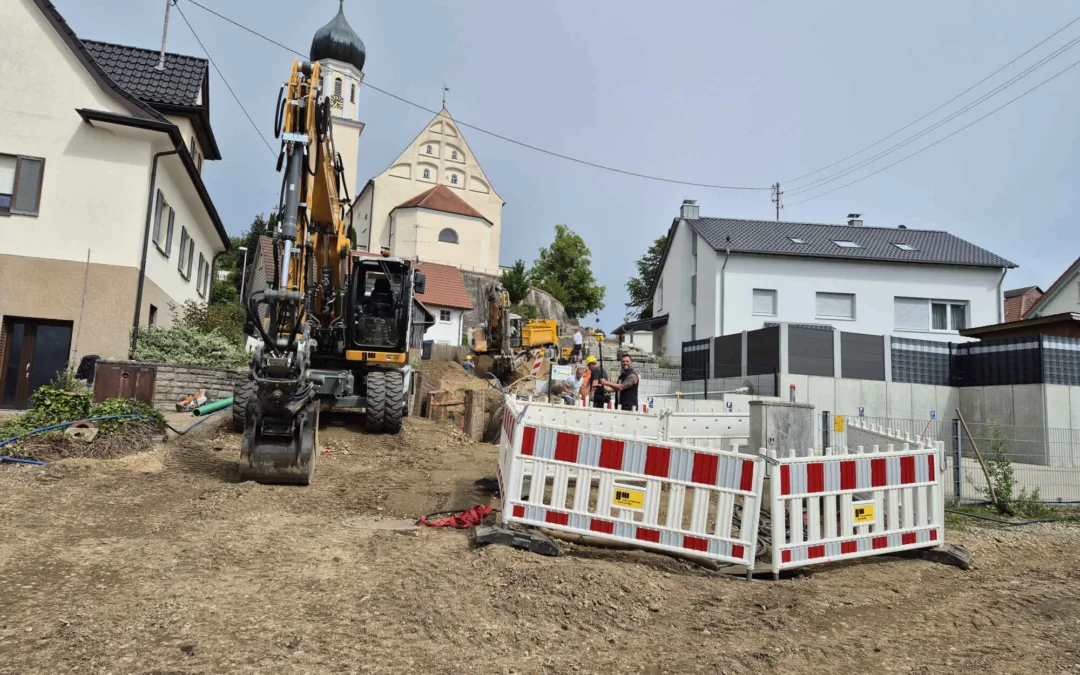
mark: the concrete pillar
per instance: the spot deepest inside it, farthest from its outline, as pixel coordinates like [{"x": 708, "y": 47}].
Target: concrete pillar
[
  {"x": 837, "y": 354},
  {"x": 783, "y": 350},
  {"x": 781, "y": 425},
  {"x": 742, "y": 349},
  {"x": 887, "y": 351}
]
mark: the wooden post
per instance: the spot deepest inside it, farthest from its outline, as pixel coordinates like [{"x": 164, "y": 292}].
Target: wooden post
[
  {"x": 434, "y": 412},
  {"x": 1002, "y": 508},
  {"x": 474, "y": 415}
]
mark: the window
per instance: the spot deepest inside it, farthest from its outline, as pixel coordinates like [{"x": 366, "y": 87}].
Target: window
[
  {"x": 765, "y": 301},
  {"x": 904, "y": 247},
  {"x": 352, "y": 93},
  {"x": 836, "y": 305},
  {"x": 153, "y": 315},
  {"x": 922, "y": 314},
  {"x": 200, "y": 284},
  {"x": 453, "y": 178},
  {"x": 448, "y": 235},
  {"x": 846, "y": 244},
  {"x": 796, "y": 240},
  {"x": 660, "y": 294},
  {"x": 429, "y": 149},
  {"x": 427, "y": 173},
  {"x": 163, "y": 225},
  {"x": 20, "y": 184},
  {"x": 337, "y": 86},
  {"x": 453, "y": 155},
  {"x": 444, "y": 315},
  {"x": 187, "y": 252}
]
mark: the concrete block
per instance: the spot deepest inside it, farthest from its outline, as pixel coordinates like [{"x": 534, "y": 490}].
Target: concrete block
[
  {"x": 848, "y": 396},
  {"x": 822, "y": 393},
  {"x": 874, "y": 398},
  {"x": 1074, "y": 404},
  {"x": 1027, "y": 405},
  {"x": 781, "y": 426},
  {"x": 971, "y": 404},
  {"x": 948, "y": 400},
  {"x": 923, "y": 400},
  {"x": 1058, "y": 406},
  {"x": 998, "y": 404},
  {"x": 899, "y": 400}
]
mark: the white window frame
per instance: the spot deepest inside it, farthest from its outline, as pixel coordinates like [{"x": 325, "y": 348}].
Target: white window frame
[
  {"x": 449, "y": 316},
  {"x": 453, "y": 179},
  {"x": 834, "y": 317},
  {"x": 754, "y": 298},
  {"x": 930, "y": 302}
]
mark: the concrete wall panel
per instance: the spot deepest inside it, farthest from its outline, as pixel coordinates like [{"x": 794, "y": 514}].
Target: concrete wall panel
[
  {"x": 848, "y": 395},
  {"x": 971, "y": 404},
  {"x": 923, "y": 400},
  {"x": 948, "y": 400},
  {"x": 875, "y": 398},
  {"x": 1059, "y": 414},
  {"x": 1027, "y": 405},
  {"x": 1074, "y": 404},
  {"x": 899, "y": 400},
  {"x": 823, "y": 393}
]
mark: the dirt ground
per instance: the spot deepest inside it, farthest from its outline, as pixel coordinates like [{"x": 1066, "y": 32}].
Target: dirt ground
[{"x": 160, "y": 563}]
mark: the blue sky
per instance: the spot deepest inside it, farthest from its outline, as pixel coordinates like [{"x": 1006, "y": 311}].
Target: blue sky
[{"x": 710, "y": 92}]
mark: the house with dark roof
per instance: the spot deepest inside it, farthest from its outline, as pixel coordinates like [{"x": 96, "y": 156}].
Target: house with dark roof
[
  {"x": 721, "y": 276},
  {"x": 1062, "y": 297},
  {"x": 105, "y": 221}
]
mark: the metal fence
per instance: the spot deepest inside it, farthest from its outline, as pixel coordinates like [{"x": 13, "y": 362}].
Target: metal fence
[{"x": 1046, "y": 460}]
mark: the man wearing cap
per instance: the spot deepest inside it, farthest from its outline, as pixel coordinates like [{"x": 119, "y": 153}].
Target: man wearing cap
[
  {"x": 468, "y": 365},
  {"x": 597, "y": 393},
  {"x": 627, "y": 385}
]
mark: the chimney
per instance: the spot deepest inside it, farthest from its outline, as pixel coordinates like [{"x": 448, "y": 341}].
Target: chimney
[
  {"x": 690, "y": 210},
  {"x": 854, "y": 219}
]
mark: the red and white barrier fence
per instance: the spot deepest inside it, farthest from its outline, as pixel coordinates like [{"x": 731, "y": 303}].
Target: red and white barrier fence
[
  {"x": 630, "y": 490},
  {"x": 851, "y": 504}
]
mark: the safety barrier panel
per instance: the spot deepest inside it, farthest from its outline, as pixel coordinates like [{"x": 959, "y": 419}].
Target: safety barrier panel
[
  {"x": 850, "y": 504},
  {"x": 629, "y": 490}
]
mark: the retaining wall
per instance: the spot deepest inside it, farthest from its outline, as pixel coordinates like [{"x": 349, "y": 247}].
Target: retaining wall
[{"x": 174, "y": 382}]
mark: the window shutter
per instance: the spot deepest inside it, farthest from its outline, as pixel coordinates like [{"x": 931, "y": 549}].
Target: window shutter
[
  {"x": 836, "y": 305},
  {"x": 190, "y": 255},
  {"x": 765, "y": 301},
  {"x": 183, "y": 250},
  {"x": 27, "y": 186},
  {"x": 911, "y": 313},
  {"x": 168, "y": 235},
  {"x": 157, "y": 218}
]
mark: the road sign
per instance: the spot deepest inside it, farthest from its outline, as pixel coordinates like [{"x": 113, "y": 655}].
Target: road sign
[
  {"x": 560, "y": 373},
  {"x": 862, "y": 411},
  {"x": 933, "y": 415},
  {"x": 729, "y": 406},
  {"x": 838, "y": 424}
]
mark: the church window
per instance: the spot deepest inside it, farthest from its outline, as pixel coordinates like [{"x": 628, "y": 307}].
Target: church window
[
  {"x": 427, "y": 173},
  {"x": 337, "y": 86},
  {"x": 453, "y": 179},
  {"x": 352, "y": 94},
  {"x": 448, "y": 235},
  {"x": 453, "y": 155},
  {"x": 429, "y": 149}
]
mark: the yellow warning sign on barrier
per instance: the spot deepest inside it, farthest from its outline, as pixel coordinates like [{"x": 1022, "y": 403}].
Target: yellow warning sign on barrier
[
  {"x": 863, "y": 514},
  {"x": 838, "y": 424},
  {"x": 628, "y": 498}
]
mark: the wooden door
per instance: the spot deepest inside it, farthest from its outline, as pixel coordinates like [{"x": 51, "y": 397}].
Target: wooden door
[{"x": 34, "y": 351}]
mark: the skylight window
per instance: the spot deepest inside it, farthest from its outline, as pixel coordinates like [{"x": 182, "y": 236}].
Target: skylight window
[
  {"x": 905, "y": 247},
  {"x": 846, "y": 244},
  {"x": 796, "y": 240}
]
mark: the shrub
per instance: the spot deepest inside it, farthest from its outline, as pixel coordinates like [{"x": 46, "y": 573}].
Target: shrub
[
  {"x": 526, "y": 310},
  {"x": 1000, "y": 468},
  {"x": 226, "y": 320},
  {"x": 125, "y": 406},
  {"x": 188, "y": 345}
]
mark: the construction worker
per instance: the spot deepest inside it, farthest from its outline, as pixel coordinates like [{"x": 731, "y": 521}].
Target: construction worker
[
  {"x": 597, "y": 393},
  {"x": 573, "y": 385},
  {"x": 468, "y": 365},
  {"x": 627, "y": 386},
  {"x": 575, "y": 353}
]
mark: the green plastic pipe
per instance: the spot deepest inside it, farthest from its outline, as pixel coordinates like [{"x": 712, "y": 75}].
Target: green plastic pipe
[{"x": 212, "y": 407}]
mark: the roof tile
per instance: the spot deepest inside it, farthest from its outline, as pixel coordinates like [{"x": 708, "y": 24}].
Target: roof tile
[
  {"x": 441, "y": 198},
  {"x": 135, "y": 70}
]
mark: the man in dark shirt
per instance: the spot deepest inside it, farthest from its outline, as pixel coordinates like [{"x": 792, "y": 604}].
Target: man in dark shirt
[
  {"x": 627, "y": 386},
  {"x": 598, "y": 394}
]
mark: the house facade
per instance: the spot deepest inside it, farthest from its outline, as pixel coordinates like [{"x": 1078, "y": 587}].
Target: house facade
[
  {"x": 105, "y": 222},
  {"x": 1019, "y": 301},
  {"x": 722, "y": 276},
  {"x": 1062, "y": 297}
]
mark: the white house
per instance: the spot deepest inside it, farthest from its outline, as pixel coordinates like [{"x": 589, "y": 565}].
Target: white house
[
  {"x": 721, "y": 276},
  {"x": 1062, "y": 297},
  {"x": 637, "y": 334},
  {"x": 104, "y": 218}
]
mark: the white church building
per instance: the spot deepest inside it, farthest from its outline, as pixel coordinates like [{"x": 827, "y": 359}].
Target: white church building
[{"x": 433, "y": 203}]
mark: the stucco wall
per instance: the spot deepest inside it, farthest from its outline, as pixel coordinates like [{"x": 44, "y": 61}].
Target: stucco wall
[
  {"x": 412, "y": 225},
  {"x": 1066, "y": 298},
  {"x": 445, "y": 332},
  {"x": 674, "y": 298}
]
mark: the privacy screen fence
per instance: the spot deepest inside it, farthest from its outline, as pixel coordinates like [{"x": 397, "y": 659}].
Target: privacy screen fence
[{"x": 823, "y": 351}]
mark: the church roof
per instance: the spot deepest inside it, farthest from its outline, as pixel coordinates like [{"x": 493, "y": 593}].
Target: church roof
[
  {"x": 337, "y": 40},
  {"x": 441, "y": 198}
]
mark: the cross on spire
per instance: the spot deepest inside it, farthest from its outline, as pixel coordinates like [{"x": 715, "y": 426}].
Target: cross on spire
[{"x": 444, "y": 90}]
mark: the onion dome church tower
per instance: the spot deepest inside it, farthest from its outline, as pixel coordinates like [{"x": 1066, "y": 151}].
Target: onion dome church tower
[{"x": 340, "y": 54}]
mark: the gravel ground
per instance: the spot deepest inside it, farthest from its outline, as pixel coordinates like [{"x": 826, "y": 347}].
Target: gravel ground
[{"x": 161, "y": 563}]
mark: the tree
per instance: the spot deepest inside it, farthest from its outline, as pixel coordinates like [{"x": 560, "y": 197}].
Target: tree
[
  {"x": 640, "y": 286},
  {"x": 565, "y": 268},
  {"x": 516, "y": 282}
]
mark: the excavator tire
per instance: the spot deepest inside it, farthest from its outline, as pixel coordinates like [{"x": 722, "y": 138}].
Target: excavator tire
[
  {"x": 243, "y": 392},
  {"x": 375, "y": 403},
  {"x": 395, "y": 403}
]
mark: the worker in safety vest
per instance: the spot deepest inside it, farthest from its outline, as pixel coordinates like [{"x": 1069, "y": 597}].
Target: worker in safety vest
[{"x": 469, "y": 366}]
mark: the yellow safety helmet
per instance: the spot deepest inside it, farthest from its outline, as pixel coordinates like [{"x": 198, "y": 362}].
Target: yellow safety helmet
[
  {"x": 591, "y": 359},
  {"x": 468, "y": 357}
]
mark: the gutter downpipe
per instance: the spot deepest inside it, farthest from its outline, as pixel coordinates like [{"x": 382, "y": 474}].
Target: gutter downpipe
[
  {"x": 145, "y": 246},
  {"x": 723, "y": 289},
  {"x": 1001, "y": 295}
]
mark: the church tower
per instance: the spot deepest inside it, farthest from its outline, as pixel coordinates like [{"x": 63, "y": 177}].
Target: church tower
[{"x": 340, "y": 54}]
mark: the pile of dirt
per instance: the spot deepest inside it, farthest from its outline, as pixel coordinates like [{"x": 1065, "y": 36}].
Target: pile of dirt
[{"x": 452, "y": 376}]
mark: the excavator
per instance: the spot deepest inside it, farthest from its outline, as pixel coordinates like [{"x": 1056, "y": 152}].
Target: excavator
[
  {"x": 333, "y": 329},
  {"x": 508, "y": 338}
]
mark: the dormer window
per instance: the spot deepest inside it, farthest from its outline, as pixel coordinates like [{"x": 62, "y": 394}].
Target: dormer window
[
  {"x": 846, "y": 244},
  {"x": 905, "y": 247}
]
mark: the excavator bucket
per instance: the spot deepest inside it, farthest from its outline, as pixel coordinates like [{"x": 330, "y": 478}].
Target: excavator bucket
[{"x": 281, "y": 453}]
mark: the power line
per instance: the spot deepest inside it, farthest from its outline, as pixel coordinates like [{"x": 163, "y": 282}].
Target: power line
[
  {"x": 227, "y": 85},
  {"x": 912, "y": 123},
  {"x": 920, "y": 150},
  {"x": 482, "y": 130},
  {"x": 808, "y": 187}
]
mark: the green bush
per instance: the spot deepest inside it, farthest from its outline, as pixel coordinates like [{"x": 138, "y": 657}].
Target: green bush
[
  {"x": 189, "y": 345},
  {"x": 526, "y": 310},
  {"x": 1000, "y": 468},
  {"x": 125, "y": 406},
  {"x": 226, "y": 320}
]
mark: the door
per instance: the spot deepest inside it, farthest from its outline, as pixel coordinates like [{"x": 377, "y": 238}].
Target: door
[{"x": 34, "y": 351}]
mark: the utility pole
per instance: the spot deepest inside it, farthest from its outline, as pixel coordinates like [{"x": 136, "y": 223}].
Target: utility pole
[
  {"x": 776, "y": 195},
  {"x": 164, "y": 34}
]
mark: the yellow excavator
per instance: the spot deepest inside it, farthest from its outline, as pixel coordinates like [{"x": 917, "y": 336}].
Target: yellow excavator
[
  {"x": 508, "y": 337},
  {"x": 333, "y": 329}
]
